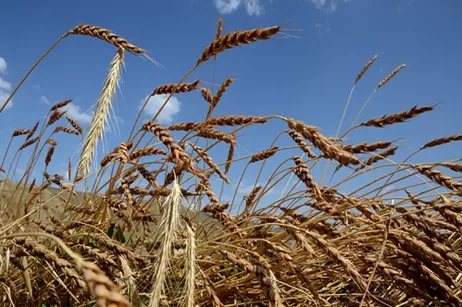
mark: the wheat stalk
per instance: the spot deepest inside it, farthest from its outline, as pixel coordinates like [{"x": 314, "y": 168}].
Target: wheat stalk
[
  {"x": 175, "y": 88},
  {"x": 219, "y": 28},
  {"x": 19, "y": 132},
  {"x": 105, "y": 291},
  {"x": 207, "y": 95},
  {"x": 330, "y": 149},
  {"x": 130, "y": 280},
  {"x": 106, "y": 35},
  {"x": 209, "y": 161},
  {"x": 221, "y": 90},
  {"x": 190, "y": 264},
  {"x": 442, "y": 141},
  {"x": 74, "y": 124},
  {"x": 49, "y": 155},
  {"x": 235, "y": 39},
  {"x": 60, "y": 104},
  {"x": 397, "y": 118},
  {"x": 147, "y": 151},
  {"x": 365, "y": 147},
  {"x": 66, "y": 130},
  {"x": 366, "y": 68},
  {"x": 209, "y": 133},
  {"x": 229, "y": 158},
  {"x": 177, "y": 153},
  {"x": 298, "y": 138},
  {"x": 390, "y": 75},
  {"x": 381, "y": 156},
  {"x": 28, "y": 143},
  {"x": 169, "y": 226},
  {"x": 98, "y": 123},
  {"x": 32, "y": 131},
  {"x": 452, "y": 166},
  {"x": 439, "y": 178},
  {"x": 264, "y": 155},
  {"x": 55, "y": 116}
]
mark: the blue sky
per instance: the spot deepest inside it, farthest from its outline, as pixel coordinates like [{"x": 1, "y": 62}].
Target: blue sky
[{"x": 307, "y": 77}]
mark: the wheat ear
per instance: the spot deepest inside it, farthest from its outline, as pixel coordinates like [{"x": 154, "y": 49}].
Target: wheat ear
[
  {"x": 442, "y": 140},
  {"x": 234, "y": 39},
  {"x": 169, "y": 227},
  {"x": 366, "y": 68},
  {"x": 103, "y": 106},
  {"x": 397, "y": 118},
  {"x": 129, "y": 279},
  {"x": 190, "y": 265},
  {"x": 32, "y": 131},
  {"x": 390, "y": 75},
  {"x": 105, "y": 35}
]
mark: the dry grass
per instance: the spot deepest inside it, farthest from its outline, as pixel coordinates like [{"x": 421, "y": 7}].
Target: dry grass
[{"x": 159, "y": 232}]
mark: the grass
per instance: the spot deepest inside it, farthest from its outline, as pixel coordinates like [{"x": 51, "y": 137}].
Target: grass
[{"x": 151, "y": 227}]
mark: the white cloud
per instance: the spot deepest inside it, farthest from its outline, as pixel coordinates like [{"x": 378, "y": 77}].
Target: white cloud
[
  {"x": 76, "y": 114},
  {"x": 45, "y": 100},
  {"x": 5, "y": 85},
  {"x": 327, "y": 5},
  {"x": 3, "y": 97},
  {"x": 3, "y": 65},
  {"x": 253, "y": 7},
  {"x": 36, "y": 87},
  {"x": 170, "y": 110}
]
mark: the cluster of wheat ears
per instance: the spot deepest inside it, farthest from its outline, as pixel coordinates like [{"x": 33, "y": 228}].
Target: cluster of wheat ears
[{"x": 128, "y": 240}]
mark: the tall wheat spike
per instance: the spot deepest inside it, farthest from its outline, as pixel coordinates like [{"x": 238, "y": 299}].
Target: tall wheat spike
[
  {"x": 190, "y": 272},
  {"x": 169, "y": 227},
  {"x": 98, "y": 123}
]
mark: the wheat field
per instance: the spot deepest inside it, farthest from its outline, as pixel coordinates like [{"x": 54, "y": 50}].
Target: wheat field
[{"x": 148, "y": 225}]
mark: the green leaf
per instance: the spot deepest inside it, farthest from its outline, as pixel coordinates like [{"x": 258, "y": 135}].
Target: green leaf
[
  {"x": 110, "y": 231},
  {"x": 119, "y": 234}
]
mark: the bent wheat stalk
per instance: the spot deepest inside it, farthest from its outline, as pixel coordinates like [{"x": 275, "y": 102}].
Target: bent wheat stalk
[
  {"x": 106, "y": 35},
  {"x": 83, "y": 29}
]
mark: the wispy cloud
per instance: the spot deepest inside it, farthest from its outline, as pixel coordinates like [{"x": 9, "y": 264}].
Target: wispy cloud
[
  {"x": 327, "y": 5},
  {"x": 3, "y": 65},
  {"x": 36, "y": 87},
  {"x": 77, "y": 114},
  {"x": 5, "y": 86},
  {"x": 44, "y": 100},
  {"x": 3, "y": 97},
  {"x": 154, "y": 104},
  {"x": 322, "y": 29},
  {"x": 405, "y": 6},
  {"x": 253, "y": 7}
]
